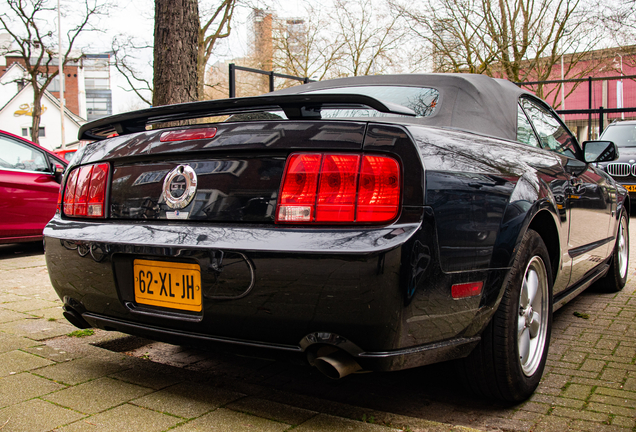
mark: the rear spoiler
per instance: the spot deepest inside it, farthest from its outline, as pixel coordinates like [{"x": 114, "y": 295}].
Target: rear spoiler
[{"x": 295, "y": 106}]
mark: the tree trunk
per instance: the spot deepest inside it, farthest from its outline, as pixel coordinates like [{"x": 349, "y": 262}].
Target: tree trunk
[
  {"x": 36, "y": 115},
  {"x": 175, "y": 52},
  {"x": 201, "y": 63}
]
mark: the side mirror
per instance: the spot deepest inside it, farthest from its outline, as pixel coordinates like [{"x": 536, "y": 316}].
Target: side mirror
[
  {"x": 599, "y": 151},
  {"x": 58, "y": 173}
]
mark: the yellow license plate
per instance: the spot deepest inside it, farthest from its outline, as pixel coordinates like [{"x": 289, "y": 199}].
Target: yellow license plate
[
  {"x": 168, "y": 284},
  {"x": 630, "y": 188}
]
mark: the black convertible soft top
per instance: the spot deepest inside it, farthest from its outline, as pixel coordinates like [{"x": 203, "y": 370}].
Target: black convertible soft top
[{"x": 470, "y": 102}]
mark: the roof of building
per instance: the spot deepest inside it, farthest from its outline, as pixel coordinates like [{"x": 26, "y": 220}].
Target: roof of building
[{"x": 52, "y": 99}]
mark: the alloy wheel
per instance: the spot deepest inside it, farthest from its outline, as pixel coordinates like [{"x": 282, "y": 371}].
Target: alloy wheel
[
  {"x": 623, "y": 249},
  {"x": 532, "y": 322}
]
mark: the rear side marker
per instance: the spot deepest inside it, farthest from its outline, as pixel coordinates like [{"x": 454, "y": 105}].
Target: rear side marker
[
  {"x": 465, "y": 290},
  {"x": 339, "y": 188}
]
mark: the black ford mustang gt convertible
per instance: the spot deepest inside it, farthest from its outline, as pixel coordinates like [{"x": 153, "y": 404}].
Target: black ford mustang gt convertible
[{"x": 371, "y": 223}]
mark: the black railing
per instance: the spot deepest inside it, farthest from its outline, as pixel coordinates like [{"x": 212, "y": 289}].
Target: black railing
[
  {"x": 271, "y": 74},
  {"x": 600, "y": 111}
]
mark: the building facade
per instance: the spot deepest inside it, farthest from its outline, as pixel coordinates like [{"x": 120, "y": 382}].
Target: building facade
[
  {"x": 16, "y": 109},
  {"x": 87, "y": 96}
]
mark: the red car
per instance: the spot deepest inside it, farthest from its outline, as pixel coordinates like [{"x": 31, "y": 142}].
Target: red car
[
  {"x": 66, "y": 154},
  {"x": 30, "y": 178}
]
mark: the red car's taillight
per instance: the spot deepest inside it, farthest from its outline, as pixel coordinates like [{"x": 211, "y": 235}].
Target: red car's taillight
[
  {"x": 85, "y": 191},
  {"x": 339, "y": 188},
  {"x": 58, "y": 210}
]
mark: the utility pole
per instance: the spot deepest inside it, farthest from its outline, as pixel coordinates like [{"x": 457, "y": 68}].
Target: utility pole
[
  {"x": 60, "y": 72},
  {"x": 619, "y": 89},
  {"x": 562, "y": 85}
]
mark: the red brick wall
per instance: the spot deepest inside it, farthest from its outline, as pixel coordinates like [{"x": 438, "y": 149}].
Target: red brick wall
[{"x": 71, "y": 92}]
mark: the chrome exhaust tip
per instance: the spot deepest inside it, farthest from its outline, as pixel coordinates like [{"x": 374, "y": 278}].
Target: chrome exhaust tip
[
  {"x": 336, "y": 365},
  {"x": 75, "y": 318}
]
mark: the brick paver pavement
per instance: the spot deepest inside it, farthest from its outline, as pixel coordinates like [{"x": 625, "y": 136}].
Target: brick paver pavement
[{"x": 110, "y": 381}]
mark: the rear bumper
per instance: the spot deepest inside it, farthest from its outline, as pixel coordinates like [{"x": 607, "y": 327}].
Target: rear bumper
[
  {"x": 380, "y": 289},
  {"x": 371, "y": 361}
]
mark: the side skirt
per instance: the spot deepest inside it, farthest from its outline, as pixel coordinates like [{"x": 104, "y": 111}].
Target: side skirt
[{"x": 565, "y": 297}]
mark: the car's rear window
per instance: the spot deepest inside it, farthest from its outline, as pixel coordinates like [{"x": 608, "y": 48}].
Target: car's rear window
[
  {"x": 422, "y": 100},
  {"x": 622, "y": 135}
]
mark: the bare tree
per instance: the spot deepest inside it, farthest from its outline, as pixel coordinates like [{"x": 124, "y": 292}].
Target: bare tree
[
  {"x": 455, "y": 35},
  {"x": 304, "y": 47},
  {"x": 521, "y": 40},
  {"x": 126, "y": 50},
  {"x": 354, "y": 37},
  {"x": 217, "y": 24},
  {"x": 619, "y": 18},
  {"x": 35, "y": 43},
  {"x": 371, "y": 39}
]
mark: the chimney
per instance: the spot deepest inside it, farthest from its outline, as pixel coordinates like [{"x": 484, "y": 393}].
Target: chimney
[{"x": 263, "y": 44}]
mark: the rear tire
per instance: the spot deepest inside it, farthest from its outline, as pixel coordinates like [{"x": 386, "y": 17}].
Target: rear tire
[
  {"x": 616, "y": 277},
  {"x": 508, "y": 363}
]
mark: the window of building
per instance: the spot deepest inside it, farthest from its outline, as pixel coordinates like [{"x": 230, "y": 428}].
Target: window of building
[
  {"x": 97, "y": 79},
  {"x": 97, "y": 106},
  {"x": 26, "y": 132},
  {"x": 54, "y": 86}
]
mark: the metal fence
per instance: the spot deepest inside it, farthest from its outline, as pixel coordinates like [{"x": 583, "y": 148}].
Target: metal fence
[
  {"x": 232, "y": 73},
  {"x": 588, "y": 105}
]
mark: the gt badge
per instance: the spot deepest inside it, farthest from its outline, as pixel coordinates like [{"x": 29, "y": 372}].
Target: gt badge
[{"x": 179, "y": 187}]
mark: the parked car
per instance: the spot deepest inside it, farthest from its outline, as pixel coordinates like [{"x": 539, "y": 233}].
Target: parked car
[
  {"x": 623, "y": 134},
  {"x": 30, "y": 179},
  {"x": 66, "y": 154},
  {"x": 370, "y": 223}
]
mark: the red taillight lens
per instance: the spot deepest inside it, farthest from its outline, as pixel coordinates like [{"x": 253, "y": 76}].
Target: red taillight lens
[
  {"x": 58, "y": 210},
  {"x": 69, "y": 192},
  {"x": 85, "y": 191},
  {"x": 298, "y": 195},
  {"x": 339, "y": 188},
  {"x": 81, "y": 191},
  {"x": 97, "y": 191},
  {"x": 188, "y": 134},
  {"x": 379, "y": 192},
  {"x": 337, "y": 191}
]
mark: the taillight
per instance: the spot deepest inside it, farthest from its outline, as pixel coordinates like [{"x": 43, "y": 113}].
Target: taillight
[
  {"x": 379, "y": 191},
  {"x": 97, "y": 191},
  {"x": 58, "y": 210},
  {"x": 188, "y": 134},
  {"x": 339, "y": 188},
  {"x": 298, "y": 196},
  {"x": 69, "y": 192},
  {"x": 85, "y": 191},
  {"x": 81, "y": 191}
]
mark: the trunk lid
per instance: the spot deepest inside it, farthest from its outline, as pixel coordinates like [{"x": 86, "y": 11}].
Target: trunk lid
[{"x": 238, "y": 171}]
